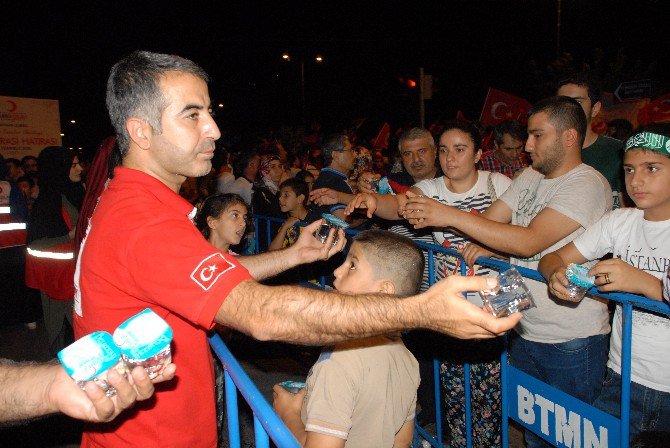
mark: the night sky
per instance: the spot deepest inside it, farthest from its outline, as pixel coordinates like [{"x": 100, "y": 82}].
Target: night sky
[{"x": 64, "y": 52}]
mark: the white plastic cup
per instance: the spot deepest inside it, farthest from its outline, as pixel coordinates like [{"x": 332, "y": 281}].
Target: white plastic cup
[
  {"x": 90, "y": 358},
  {"x": 144, "y": 340},
  {"x": 579, "y": 280}
]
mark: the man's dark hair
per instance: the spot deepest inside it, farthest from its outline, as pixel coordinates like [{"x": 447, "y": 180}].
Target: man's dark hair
[
  {"x": 334, "y": 142},
  {"x": 241, "y": 161},
  {"x": 298, "y": 186},
  {"x": 384, "y": 249},
  {"x": 511, "y": 127},
  {"x": 564, "y": 113},
  {"x": 133, "y": 90},
  {"x": 416, "y": 134},
  {"x": 582, "y": 80},
  {"x": 466, "y": 127}
]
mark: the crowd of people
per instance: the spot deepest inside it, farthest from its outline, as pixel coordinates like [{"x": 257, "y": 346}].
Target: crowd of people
[{"x": 540, "y": 194}]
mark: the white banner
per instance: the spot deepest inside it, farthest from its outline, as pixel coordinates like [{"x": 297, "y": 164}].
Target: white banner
[{"x": 28, "y": 125}]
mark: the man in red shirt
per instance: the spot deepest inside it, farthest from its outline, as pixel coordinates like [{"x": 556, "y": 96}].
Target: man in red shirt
[{"x": 142, "y": 250}]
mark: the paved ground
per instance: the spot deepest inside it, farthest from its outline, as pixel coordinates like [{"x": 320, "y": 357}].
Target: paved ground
[{"x": 266, "y": 364}]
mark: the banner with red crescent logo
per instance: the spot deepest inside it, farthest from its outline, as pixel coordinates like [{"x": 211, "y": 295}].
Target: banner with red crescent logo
[
  {"x": 382, "y": 139},
  {"x": 28, "y": 125},
  {"x": 500, "y": 106},
  {"x": 612, "y": 110}
]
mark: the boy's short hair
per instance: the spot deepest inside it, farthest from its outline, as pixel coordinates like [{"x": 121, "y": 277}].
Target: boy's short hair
[
  {"x": 298, "y": 186},
  {"x": 393, "y": 257}
]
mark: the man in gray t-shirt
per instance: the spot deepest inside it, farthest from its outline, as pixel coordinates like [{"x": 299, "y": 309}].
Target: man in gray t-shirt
[{"x": 547, "y": 206}]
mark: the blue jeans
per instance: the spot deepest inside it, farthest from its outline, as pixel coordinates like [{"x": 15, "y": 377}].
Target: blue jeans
[
  {"x": 649, "y": 408},
  {"x": 576, "y": 367}
]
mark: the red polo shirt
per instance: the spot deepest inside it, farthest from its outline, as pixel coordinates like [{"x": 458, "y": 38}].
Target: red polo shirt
[{"x": 142, "y": 250}]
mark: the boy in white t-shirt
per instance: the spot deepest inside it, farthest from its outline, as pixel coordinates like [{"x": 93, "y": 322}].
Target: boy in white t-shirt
[
  {"x": 639, "y": 239},
  {"x": 362, "y": 393}
]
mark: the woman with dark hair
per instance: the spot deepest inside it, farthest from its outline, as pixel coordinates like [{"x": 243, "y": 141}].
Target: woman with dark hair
[{"x": 51, "y": 230}]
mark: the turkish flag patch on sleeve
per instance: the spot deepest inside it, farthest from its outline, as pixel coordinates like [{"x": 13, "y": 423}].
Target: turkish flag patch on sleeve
[{"x": 210, "y": 269}]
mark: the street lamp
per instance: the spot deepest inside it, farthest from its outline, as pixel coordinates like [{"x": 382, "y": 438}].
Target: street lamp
[{"x": 318, "y": 58}]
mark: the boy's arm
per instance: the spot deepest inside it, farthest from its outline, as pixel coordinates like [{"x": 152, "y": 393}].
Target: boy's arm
[
  {"x": 617, "y": 275},
  {"x": 553, "y": 265},
  {"x": 278, "y": 240},
  {"x": 318, "y": 440},
  {"x": 288, "y": 406},
  {"x": 403, "y": 439}
]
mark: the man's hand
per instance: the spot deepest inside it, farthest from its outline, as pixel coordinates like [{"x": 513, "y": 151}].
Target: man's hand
[
  {"x": 449, "y": 312},
  {"x": 93, "y": 405},
  {"x": 308, "y": 249},
  {"x": 421, "y": 211},
  {"x": 362, "y": 200},
  {"x": 364, "y": 180},
  {"x": 324, "y": 196},
  {"x": 472, "y": 251}
]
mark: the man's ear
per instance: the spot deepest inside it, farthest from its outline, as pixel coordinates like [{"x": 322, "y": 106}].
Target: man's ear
[
  {"x": 140, "y": 132},
  {"x": 595, "y": 110},
  {"x": 478, "y": 155},
  {"x": 571, "y": 138},
  {"x": 386, "y": 287}
]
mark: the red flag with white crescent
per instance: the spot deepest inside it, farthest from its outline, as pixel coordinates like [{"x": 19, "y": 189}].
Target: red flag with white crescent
[
  {"x": 500, "y": 106},
  {"x": 657, "y": 111},
  {"x": 382, "y": 139}
]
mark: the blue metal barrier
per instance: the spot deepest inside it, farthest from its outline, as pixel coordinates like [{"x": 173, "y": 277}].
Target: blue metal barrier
[
  {"x": 267, "y": 423},
  {"x": 572, "y": 417}
]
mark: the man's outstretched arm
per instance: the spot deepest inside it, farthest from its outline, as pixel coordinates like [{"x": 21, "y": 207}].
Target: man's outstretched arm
[
  {"x": 309, "y": 316},
  {"x": 30, "y": 390},
  {"x": 306, "y": 250}
]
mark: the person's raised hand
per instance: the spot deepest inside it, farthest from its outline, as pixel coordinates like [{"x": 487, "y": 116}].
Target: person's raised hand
[
  {"x": 450, "y": 313},
  {"x": 422, "y": 211},
  {"x": 309, "y": 249},
  {"x": 362, "y": 200},
  {"x": 324, "y": 196},
  {"x": 363, "y": 183}
]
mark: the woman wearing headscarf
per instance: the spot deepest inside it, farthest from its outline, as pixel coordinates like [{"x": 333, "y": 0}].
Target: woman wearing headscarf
[
  {"x": 265, "y": 201},
  {"x": 51, "y": 230}
]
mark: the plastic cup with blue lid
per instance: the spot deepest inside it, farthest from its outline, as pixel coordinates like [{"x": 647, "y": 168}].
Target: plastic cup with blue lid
[
  {"x": 90, "y": 358},
  {"x": 293, "y": 386},
  {"x": 580, "y": 280},
  {"x": 144, "y": 340},
  {"x": 330, "y": 222}
]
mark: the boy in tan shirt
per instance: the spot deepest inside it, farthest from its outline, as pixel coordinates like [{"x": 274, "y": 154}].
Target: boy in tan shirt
[{"x": 362, "y": 393}]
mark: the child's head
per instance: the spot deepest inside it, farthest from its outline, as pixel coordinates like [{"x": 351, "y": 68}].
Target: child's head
[
  {"x": 293, "y": 194},
  {"x": 222, "y": 219},
  {"x": 307, "y": 177},
  {"x": 647, "y": 170},
  {"x": 381, "y": 261}
]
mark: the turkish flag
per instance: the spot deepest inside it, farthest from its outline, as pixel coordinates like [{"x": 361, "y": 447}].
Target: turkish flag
[
  {"x": 657, "y": 111},
  {"x": 461, "y": 117},
  {"x": 382, "y": 139},
  {"x": 500, "y": 106}
]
